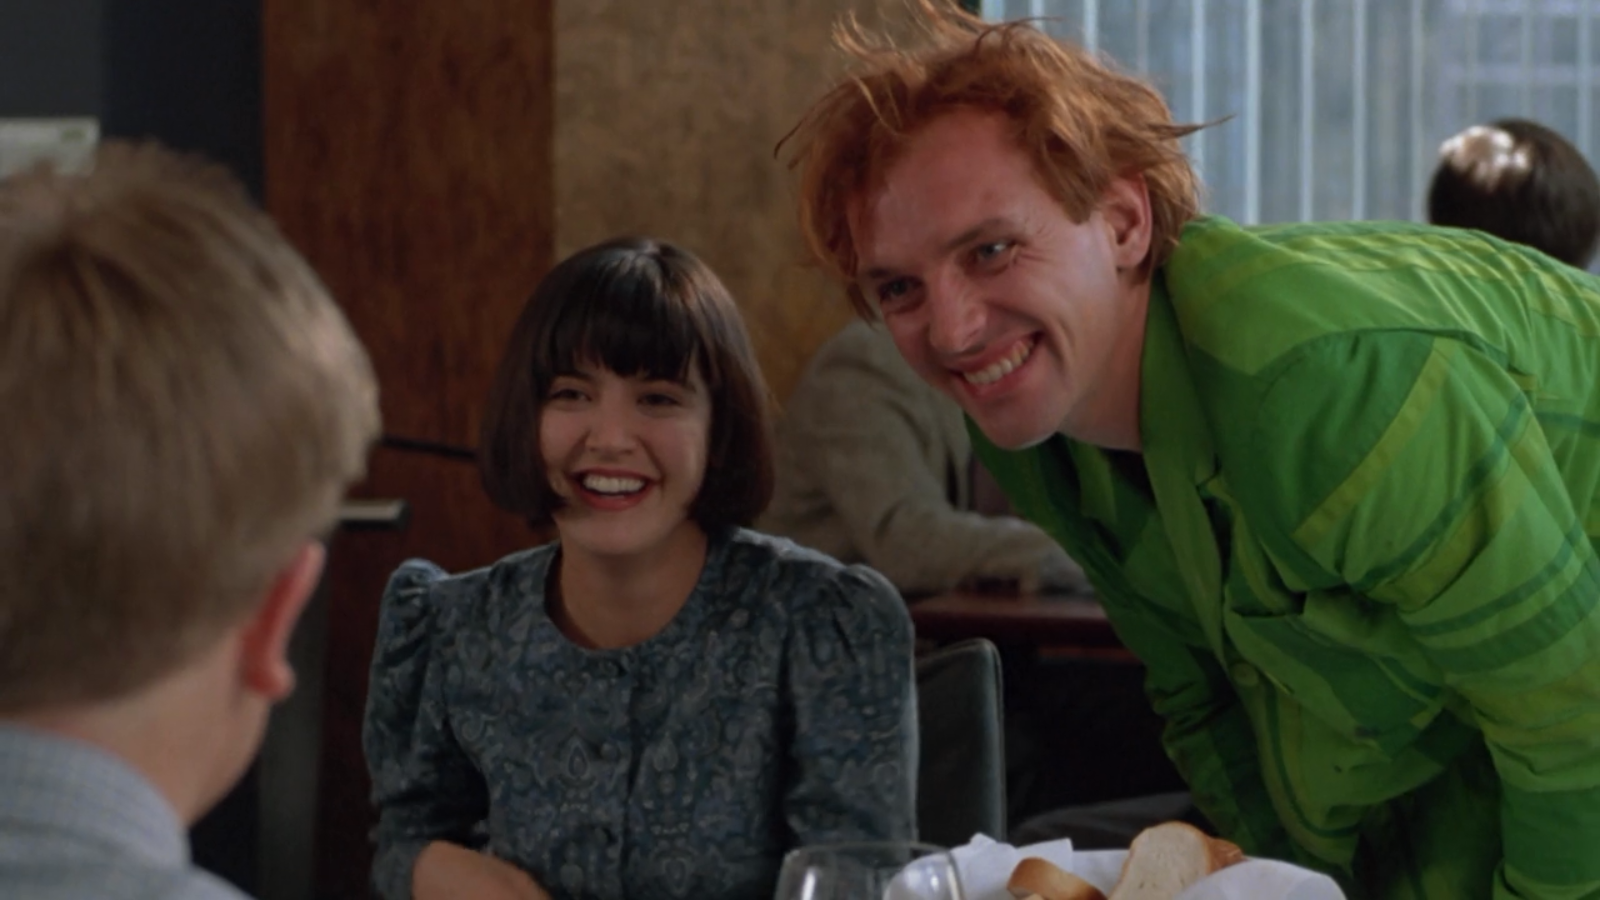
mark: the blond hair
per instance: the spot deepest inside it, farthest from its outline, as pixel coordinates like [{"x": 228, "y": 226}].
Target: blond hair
[
  {"x": 184, "y": 407},
  {"x": 1082, "y": 122}
]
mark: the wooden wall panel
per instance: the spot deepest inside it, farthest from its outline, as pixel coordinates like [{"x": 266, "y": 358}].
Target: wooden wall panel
[
  {"x": 666, "y": 117},
  {"x": 408, "y": 151}
]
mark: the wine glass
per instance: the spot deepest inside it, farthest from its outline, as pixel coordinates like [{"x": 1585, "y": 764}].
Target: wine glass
[{"x": 870, "y": 870}]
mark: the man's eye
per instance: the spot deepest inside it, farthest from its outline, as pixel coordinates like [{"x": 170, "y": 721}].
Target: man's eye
[
  {"x": 992, "y": 251},
  {"x": 891, "y": 292}
]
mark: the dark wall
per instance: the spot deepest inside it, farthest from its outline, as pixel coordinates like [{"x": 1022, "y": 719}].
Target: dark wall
[
  {"x": 50, "y": 57},
  {"x": 187, "y": 72}
]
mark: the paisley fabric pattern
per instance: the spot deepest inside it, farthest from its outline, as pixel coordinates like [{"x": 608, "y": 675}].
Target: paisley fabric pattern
[{"x": 776, "y": 709}]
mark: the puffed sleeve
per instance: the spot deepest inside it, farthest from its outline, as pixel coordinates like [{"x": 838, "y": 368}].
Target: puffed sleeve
[
  {"x": 424, "y": 786},
  {"x": 850, "y": 680}
]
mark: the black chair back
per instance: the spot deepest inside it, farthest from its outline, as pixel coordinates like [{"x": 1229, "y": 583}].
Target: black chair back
[{"x": 961, "y": 780}]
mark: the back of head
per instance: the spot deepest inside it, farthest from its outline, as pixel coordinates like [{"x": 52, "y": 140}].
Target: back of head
[
  {"x": 1521, "y": 182},
  {"x": 184, "y": 408},
  {"x": 1083, "y": 123}
]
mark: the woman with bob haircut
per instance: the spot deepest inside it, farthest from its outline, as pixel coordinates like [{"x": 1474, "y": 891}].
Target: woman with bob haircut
[{"x": 661, "y": 703}]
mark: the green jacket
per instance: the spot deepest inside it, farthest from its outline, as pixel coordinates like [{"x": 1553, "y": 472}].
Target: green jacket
[{"x": 1356, "y": 554}]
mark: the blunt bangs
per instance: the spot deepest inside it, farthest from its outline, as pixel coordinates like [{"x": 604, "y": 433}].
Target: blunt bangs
[{"x": 625, "y": 315}]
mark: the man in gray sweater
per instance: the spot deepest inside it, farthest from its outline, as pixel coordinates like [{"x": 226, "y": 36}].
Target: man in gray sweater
[{"x": 875, "y": 466}]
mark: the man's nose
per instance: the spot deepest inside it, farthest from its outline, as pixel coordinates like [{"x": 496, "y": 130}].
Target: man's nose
[{"x": 955, "y": 317}]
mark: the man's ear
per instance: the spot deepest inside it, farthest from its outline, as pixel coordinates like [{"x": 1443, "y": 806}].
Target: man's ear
[
  {"x": 1125, "y": 207},
  {"x": 265, "y": 657}
]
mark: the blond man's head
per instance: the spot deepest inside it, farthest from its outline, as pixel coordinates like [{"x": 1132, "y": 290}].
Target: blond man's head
[
  {"x": 1083, "y": 123},
  {"x": 184, "y": 407}
]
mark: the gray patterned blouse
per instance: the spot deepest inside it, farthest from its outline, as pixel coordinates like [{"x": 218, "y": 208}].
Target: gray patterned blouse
[{"x": 776, "y": 709}]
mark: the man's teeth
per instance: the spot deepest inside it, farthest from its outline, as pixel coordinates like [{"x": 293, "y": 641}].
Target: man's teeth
[
  {"x": 1000, "y": 368},
  {"x": 612, "y": 484}
]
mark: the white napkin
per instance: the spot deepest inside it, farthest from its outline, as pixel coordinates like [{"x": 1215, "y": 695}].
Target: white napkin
[
  {"x": 984, "y": 865},
  {"x": 1264, "y": 878}
]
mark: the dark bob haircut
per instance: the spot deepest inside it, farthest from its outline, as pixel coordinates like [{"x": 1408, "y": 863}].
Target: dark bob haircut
[
  {"x": 638, "y": 307},
  {"x": 1520, "y": 182}
]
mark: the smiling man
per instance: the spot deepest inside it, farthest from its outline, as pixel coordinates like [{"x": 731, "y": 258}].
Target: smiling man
[{"x": 1335, "y": 484}]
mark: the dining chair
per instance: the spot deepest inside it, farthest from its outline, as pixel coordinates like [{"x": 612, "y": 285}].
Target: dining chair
[{"x": 961, "y": 780}]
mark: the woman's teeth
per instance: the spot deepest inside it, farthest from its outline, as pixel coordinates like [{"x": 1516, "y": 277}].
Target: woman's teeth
[{"x": 612, "y": 484}]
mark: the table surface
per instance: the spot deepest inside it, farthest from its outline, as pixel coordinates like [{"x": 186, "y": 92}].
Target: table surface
[{"x": 1040, "y": 620}]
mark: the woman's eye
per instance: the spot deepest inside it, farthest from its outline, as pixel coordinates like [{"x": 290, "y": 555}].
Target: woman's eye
[
  {"x": 659, "y": 400},
  {"x": 566, "y": 393}
]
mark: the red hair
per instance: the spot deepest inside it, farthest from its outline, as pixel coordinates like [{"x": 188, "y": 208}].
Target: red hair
[{"x": 1081, "y": 121}]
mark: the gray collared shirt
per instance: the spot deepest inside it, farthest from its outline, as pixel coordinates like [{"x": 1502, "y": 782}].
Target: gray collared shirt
[{"x": 76, "y": 823}]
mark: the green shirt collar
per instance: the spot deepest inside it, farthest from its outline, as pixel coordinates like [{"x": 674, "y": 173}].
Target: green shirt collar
[
  {"x": 1179, "y": 456},
  {"x": 1172, "y": 424}
]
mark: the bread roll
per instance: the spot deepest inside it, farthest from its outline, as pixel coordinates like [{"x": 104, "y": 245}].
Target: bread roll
[
  {"x": 1043, "y": 879},
  {"x": 1164, "y": 859}
]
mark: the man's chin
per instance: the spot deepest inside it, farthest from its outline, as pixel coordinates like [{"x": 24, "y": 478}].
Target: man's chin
[{"x": 1014, "y": 435}]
